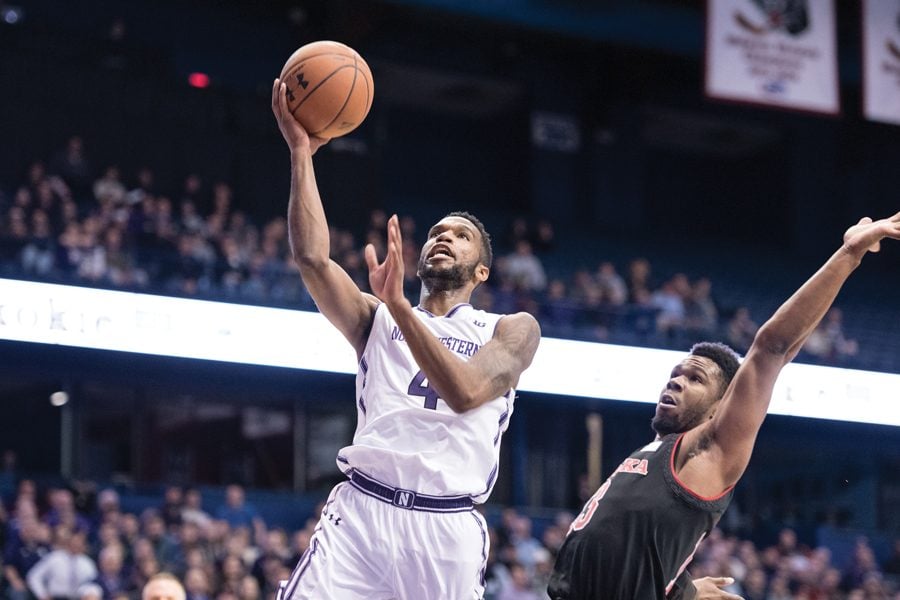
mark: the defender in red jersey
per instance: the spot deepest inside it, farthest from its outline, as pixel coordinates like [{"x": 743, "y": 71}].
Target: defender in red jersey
[{"x": 638, "y": 533}]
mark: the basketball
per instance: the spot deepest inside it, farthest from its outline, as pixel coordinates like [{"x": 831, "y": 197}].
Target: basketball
[{"x": 329, "y": 88}]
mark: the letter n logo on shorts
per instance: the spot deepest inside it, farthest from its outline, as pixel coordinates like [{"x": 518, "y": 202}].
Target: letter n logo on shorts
[{"x": 404, "y": 498}]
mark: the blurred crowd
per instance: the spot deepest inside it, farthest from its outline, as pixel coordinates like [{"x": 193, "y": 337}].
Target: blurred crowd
[
  {"x": 77, "y": 542},
  {"x": 71, "y": 222}
]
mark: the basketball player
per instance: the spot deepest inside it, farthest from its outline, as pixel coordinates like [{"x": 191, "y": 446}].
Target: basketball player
[
  {"x": 434, "y": 393},
  {"x": 639, "y": 531}
]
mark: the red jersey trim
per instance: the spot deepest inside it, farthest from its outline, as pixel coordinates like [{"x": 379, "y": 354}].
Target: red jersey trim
[{"x": 681, "y": 483}]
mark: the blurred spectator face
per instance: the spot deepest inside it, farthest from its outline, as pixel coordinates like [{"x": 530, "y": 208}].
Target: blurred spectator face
[
  {"x": 194, "y": 559},
  {"x": 520, "y": 577},
  {"x": 36, "y": 172},
  {"x": 556, "y": 290},
  {"x": 129, "y": 525},
  {"x": 110, "y": 560},
  {"x": 755, "y": 582},
  {"x": 77, "y": 543},
  {"x": 173, "y": 495},
  {"x": 143, "y": 550},
  {"x": 234, "y": 496},
  {"x": 232, "y": 567},
  {"x": 249, "y": 588},
  {"x": 193, "y": 499},
  {"x": 196, "y": 582},
  {"x": 190, "y": 533},
  {"x": 787, "y": 540},
  {"x": 154, "y": 527},
  {"x": 107, "y": 500}
]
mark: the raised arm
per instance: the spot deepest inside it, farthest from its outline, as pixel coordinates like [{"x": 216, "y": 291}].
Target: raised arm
[
  {"x": 731, "y": 432},
  {"x": 334, "y": 292},
  {"x": 463, "y": 385}
]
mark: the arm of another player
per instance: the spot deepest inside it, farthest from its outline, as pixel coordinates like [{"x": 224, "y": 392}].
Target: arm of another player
[
  {"x": 710, "y": 588},
  {"x": 490, "y": 373},
  {"x": 732, "y": 430},
  {"x": 334, "y": 292}
]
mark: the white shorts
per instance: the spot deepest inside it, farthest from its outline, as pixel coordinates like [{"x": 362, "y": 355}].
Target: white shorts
[{"x": 367, "y": 549}]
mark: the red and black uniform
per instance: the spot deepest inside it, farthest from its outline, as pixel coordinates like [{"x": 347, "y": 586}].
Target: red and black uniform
[{"x": 637, "y": 534}]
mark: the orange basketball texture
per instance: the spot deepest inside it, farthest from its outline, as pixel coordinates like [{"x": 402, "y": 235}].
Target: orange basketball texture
[{"x": 329, "y": 88}]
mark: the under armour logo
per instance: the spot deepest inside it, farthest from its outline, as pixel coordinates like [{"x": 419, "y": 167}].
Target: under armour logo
[
  {"x": 334, "y": 518},
  {"x": 479, "y": 323},
  {"x": 300, "y": 81}
]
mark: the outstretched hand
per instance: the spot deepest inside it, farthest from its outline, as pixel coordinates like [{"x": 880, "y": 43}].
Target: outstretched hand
[
  {"x": 710, "y": 588},
  {"x": 294, "y": 134},
  {"x": 386, "y": 278},
  {"x": 866, "y": 235}
]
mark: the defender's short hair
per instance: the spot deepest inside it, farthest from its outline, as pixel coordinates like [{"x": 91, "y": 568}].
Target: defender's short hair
[{"x": 727, "y": 359}]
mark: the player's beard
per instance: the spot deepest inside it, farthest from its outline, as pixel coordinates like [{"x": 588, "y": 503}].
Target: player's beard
[
  {"x": 664, "y": 424},
  {"x": 443, "y": 279}
]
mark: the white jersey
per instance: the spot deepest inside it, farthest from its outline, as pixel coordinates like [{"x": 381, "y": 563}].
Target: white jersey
[{"x": 406, "y": 436}]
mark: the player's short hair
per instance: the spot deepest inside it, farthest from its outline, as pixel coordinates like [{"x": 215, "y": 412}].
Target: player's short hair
[
  {"x": 721, "y": 354},
  {"x": 487, "y": 254}
]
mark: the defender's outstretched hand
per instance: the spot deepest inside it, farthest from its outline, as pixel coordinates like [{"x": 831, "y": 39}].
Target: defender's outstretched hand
[
  {"x": 710, "y": 588},
  {"x": 386, "y": 279},
  {"x": 294, "y": 134},
  {"x": 866, "y": 235}
]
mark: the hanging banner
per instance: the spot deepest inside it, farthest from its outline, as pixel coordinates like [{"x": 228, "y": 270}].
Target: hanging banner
[
  {"x": 773, "y": 52},
  {"x": 881, "y": 60}
]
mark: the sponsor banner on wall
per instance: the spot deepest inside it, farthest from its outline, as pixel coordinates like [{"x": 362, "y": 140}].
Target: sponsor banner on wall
[
  {"x": 881, "y": 60},
  {"x": 779, "y": 53},
  {"x": 122, "y": 321}
]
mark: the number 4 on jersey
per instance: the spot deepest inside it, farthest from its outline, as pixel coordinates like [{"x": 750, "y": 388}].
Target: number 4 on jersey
[{"x": 419, "y": 386}]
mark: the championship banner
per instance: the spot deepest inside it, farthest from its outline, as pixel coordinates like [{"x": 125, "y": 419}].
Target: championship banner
[
  {"x": 881, "y": 60},
  {"x": 773, "y": 52}
]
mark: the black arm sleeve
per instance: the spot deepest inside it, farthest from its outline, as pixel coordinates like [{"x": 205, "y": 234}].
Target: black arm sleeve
[{"x": 684, "y": 588}]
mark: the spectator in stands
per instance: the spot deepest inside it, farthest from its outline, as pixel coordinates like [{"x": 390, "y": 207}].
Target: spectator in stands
[
  {"x": 197, "y": 585},
  {"x": 544, "y": 237},
  {"x": 640, "y": 282},
  {"x": 862, "y": 565},
  {"x": 63, "y": 512},
  {"x": 192, "y": 510},
  {"x": 559, "y": 312},
  {"x": 524, "y": 268},
  {"x": 163, "y": 586},
  {"x": 612, "y": 285},
  {"x": 172, "y": 507},
  {"x": 61, "y": 572},
  {"x": 828, "y": 343},
  {"x": 112, "y": 577},
  {"x": 741, "y": 330},
  {"x": 74, "y": 167},
  {"x": 668, "y": 300},
  {"x": 236, "y": 511},
  {"x": 25, "y": 547},
  {"x": 109, "y": 189},
  {"x": 249, "y": 589},
  {"x": 38, "y": 256},
  {"x": 520, "y": 586},
  {"x": 701, "y": 317}
]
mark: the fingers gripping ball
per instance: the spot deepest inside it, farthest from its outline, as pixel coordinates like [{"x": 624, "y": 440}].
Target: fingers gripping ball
[{"x": 329, "y": 88}]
